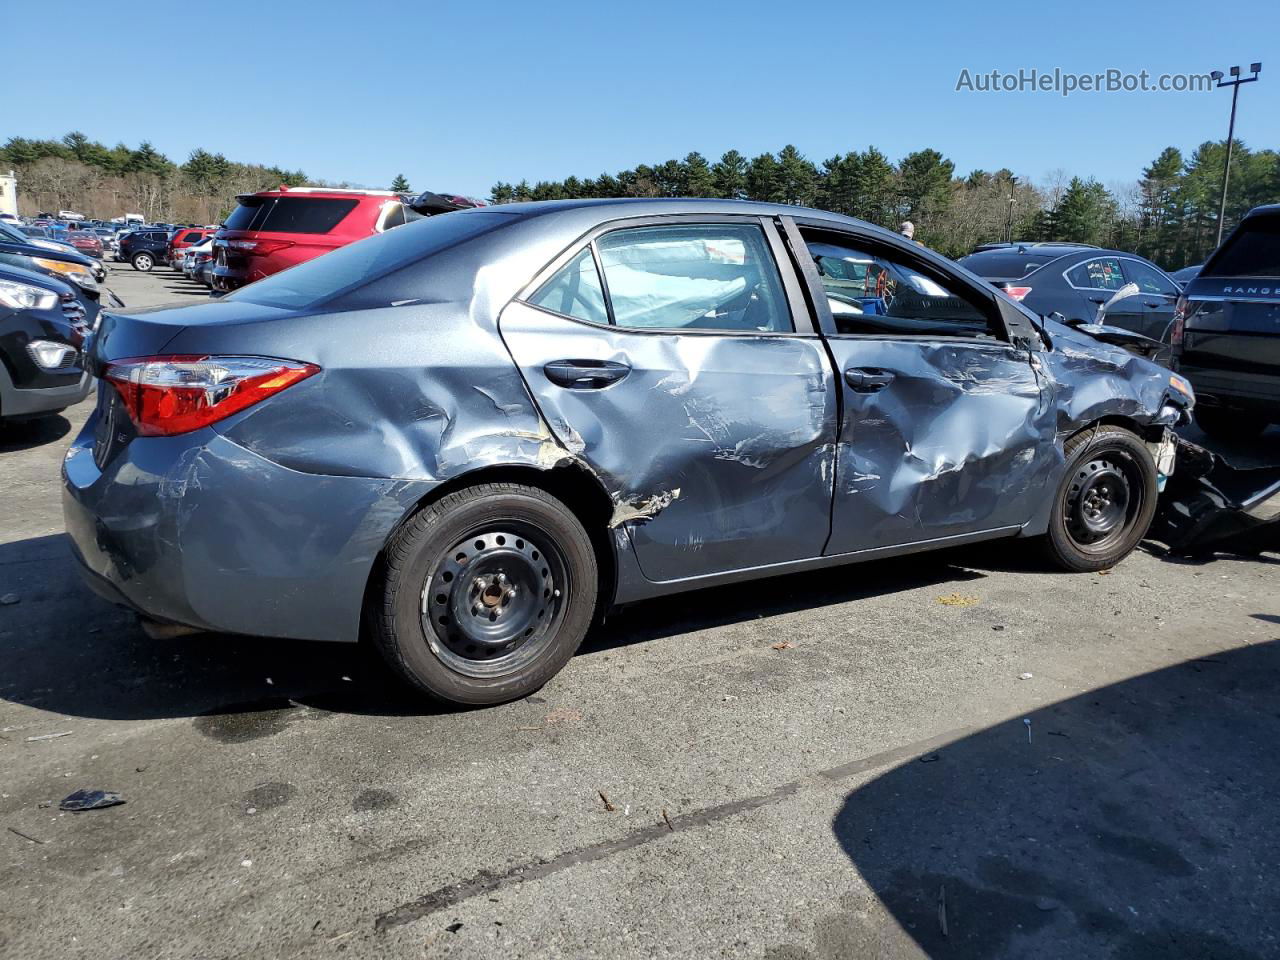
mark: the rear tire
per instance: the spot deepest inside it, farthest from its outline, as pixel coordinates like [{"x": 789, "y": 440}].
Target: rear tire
[
  {"x": 1105, "y": 501},
  {"x": 1224, "y": 424},
  {"x": 485, "y": 594},
  {"x": 143, "y": 262}
]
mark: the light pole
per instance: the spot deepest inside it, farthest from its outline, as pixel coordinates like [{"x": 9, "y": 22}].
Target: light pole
[
  {"x": 1234, "y": 84},
  {"x": 1008, "y": 226}
]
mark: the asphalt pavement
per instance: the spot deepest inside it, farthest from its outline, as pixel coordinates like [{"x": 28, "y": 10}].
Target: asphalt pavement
[{"x": 950, "y": 755}]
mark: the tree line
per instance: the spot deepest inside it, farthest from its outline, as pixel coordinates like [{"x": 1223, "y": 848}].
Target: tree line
[
  {"x": 76, "y": 173},
  {"x": 1169, "y": 215}
]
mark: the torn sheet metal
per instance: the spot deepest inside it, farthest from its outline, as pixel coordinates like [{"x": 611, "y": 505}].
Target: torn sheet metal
[
  {"x": 1210, "y": 506},
  {"x": 716, "y": 449}
]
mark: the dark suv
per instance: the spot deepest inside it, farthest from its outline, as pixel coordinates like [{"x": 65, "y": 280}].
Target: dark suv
[
  {"x": 1227, "y": 334},
  {"x": 1076, "y": 280},
  {"x": 43, "y": 330},
  {"x": 145, "y": 248}
]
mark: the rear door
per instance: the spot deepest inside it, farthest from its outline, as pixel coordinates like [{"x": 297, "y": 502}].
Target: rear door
[
  {"x": 945, "y": 433},
  {"x": 676, "y": 360},
  {"x": 1095, "y": 279}
]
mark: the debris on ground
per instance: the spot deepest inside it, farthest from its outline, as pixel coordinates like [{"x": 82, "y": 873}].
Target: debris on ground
[
  {"x": 931, "y": 758},
  {"x": 50, "y": 736},
  {"x": 1027, "y": 721},
  {"x": 942, "y": 909},
  {"x": 608, "y": 807},
  {"x": 26, "y": 836},
  {"x": 782, "y": 645},
  {"x": 90, "y": 800},
  {"x": 957, "y": 600},
  {"x": 668, "y": 820},
  {"x": 454, "y": 927},
  {"x": 9, "y": 599},
  {"x": 1209, "y": 505},
  {"x": 1025, "y": 676}
]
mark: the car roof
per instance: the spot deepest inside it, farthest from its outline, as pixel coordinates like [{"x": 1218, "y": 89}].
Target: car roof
[{"x": 602, "y": 209}]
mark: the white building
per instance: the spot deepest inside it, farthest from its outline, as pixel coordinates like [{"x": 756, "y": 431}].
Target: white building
[{"x": 9, "y": 193}]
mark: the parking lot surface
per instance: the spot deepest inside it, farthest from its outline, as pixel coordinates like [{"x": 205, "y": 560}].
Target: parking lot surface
[{"x": 953, "y": 755}]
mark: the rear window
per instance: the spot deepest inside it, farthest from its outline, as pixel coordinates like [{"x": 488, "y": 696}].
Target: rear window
[
  {"x": 1002, "y": 265},
  {"x": 1252, "y": 251},
  {"x": 289, "y": 214},
  {"x": 314, "y": 282}
]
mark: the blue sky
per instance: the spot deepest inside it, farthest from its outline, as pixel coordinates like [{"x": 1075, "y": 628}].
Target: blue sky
[{"x": 459, "y": 95}]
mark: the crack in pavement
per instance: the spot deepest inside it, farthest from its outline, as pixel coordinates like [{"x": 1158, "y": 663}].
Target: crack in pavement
[{"x": 486, "y": 881}]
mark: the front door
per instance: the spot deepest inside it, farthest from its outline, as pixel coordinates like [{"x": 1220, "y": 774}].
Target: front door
[
  {"x": 682, "y": 381},
  {"x": 945, "y": 430}
]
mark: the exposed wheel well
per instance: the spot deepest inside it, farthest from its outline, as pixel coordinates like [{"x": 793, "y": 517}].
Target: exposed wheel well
[
  {"x": 1152, "y": 433},
  {"x": 571, "y": 485}
]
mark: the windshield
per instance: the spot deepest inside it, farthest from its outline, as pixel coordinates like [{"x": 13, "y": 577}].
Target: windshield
[{"x": 316, "y": 281}]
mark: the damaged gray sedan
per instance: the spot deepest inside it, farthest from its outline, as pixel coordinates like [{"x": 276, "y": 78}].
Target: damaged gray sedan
[{"x": 468, "y": 437}]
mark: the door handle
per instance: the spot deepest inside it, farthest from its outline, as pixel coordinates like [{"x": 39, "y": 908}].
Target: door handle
[
  {"x": 1097, "y": 299},
  {"x": 867, "y": 379},
  {"x": 585, "y": 374},
  {"x": 1153, "y": 303}
]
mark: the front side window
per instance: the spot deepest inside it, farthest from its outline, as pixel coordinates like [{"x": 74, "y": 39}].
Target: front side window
[
  {"x": 878, "y": 294},
  {"x": 695, "y": 277},
  {"x": 1149, "y": 279},
  {"x": 1099, "y": 273},
  {"x": 574, "y": 291}
]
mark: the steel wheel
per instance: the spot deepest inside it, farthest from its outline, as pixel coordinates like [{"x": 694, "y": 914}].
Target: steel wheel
[
  {"x": 1101, "y": 501},
  {"x": 491, "y": 604}
]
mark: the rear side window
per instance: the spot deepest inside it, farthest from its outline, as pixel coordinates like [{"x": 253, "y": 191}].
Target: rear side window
[
  {"x": 704, "y": 277},
  {"x": 290, "y": 214},
  {"x": 574, "y": 291},
  {"x": 1098, "y": 273},
  {"x": 1252, "y": 251},
  {"x": 192, "y": 236}
]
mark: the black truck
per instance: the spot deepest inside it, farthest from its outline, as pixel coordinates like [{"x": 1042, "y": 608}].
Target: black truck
[{"x": 1226, "y": 335}]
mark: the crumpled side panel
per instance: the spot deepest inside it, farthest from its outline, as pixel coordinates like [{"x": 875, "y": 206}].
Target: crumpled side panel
[
  {"x": 422, "y": 392},
  {"x": 717, "y": 450},
  {"x": 959, "y": 441}
]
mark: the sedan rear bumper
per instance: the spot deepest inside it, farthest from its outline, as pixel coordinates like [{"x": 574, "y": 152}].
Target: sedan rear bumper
[{"x": 199, "y": 531}]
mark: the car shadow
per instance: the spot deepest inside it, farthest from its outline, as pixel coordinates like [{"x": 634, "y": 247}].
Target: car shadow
[
  {"x": 1134, "y": 821},
  {"x": 27, "y": 434},
  {"x": 68, "y": 651}
]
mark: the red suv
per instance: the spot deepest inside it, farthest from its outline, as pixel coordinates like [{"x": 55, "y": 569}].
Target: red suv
[
  {"x": 182, "y": 238},
  {"x": 275, "y": 229}
]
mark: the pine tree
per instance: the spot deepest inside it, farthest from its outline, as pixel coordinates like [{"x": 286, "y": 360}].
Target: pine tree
[
  {"x": 400, "y": 184},
  {"x": 729, "y": 176},
  {"x": 797, "y": 177},
  {"x": 695, "y": 177}
]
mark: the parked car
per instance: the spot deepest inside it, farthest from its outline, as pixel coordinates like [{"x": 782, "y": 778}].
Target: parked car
[
  {"x": 43, "y": 328},
  {"x": 1075, "y": 281},
  {"x": 491, "y": 425},
  {"x": 275, "y": 229},
  {"x": 87, "y": 242},
  {"x": 144, "y": 248},
  {"x": 1227, "y": 336},
  {"x": 194, "y": 257},
  {"x": 57, "y": 260},
  {"x": 180, "y": 240},
  {"x": 1186, "y": 274}
]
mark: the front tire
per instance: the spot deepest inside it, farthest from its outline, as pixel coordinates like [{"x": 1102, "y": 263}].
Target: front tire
[
  {"x": 143, "y": 262},
  {"x": 1105, "y": 501},
  {"x": 486, "y": 594}
]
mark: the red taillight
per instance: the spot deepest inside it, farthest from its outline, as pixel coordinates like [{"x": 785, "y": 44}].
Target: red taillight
[
  {"x": 1016, "y": 292},
  {"x": 169, "y": 395},
  {"x": 260, "y": 248},
  {"x": 1179, "y": 322}
]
